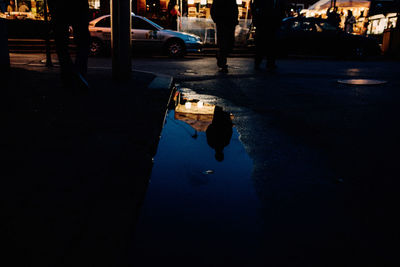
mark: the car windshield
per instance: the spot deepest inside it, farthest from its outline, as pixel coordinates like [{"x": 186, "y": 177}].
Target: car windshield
[
  {"x": 138, "y": 23},
  {"x": 154, "y": 24}
]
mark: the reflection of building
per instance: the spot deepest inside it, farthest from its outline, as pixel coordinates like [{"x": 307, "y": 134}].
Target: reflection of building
[{"x": 197, "y": 114}]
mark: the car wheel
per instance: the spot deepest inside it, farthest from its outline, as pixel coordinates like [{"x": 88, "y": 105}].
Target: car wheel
[
  {"x": 175, "y": 48},
  {"x": 96, "y": 47}
]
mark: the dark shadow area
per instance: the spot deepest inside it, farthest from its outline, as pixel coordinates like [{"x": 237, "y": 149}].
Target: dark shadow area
[
  {"x": 361, "y": 143},
  {"x": 75, "y": 167}
]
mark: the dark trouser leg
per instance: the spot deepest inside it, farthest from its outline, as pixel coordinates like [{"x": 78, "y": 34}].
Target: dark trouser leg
[
  {"x": 272, "y": 48},
  {"x": 61, "y": 36},
  {"x": 221, "y": 59},
  {"x": 82, "y": 37},
  {"x": 225, "y": 39},
  {"x": 260, "y": 41}
]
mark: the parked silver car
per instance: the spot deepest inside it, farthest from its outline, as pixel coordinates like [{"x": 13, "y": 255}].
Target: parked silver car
[{"x": 145, "y": 35}]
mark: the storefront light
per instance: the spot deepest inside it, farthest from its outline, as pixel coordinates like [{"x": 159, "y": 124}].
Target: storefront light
[
  {"x": 190, "y": 2},
  {"x": 203, "y": 2},
  {"x": 239, "y": 2}
]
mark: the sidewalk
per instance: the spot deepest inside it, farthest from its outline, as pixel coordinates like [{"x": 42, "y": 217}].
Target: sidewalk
[{"x": 77, "y": 165}]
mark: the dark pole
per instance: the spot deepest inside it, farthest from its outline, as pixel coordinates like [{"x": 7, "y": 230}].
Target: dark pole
[
  {"x": 121, "y": 39},
  {"x": 47, "y": 40}
]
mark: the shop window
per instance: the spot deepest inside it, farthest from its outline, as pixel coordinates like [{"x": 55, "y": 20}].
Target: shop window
[{"x": 22, "y": 10}]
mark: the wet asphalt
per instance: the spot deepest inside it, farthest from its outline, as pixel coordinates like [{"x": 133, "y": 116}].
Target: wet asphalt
[{"x": 324, "y": 155}]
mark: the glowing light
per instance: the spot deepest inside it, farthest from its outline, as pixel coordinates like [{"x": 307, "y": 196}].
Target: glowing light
[
  {"x": 239, "y": 2},
  {"x": 190, "y": 2},
  {"x": 203, "y": 2},
  {"x": 200, "y": 104},
  {"x": 188, "y": 105}
]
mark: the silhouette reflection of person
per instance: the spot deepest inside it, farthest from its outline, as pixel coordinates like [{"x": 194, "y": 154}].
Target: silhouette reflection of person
[
  {"x": 64, "y": 14},
  {"x": 219, "y": 132}
]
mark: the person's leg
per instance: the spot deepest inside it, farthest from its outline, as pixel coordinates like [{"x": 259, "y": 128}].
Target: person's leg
[
  {"x": 225, "y": 45},
  {"x": 221, "y": 61},
  {"x": 260, "y": 47},
  {"x": 272, "y": 49},
  {"x": 61, "y": 36},
  {"x": 81, "y": 36}
]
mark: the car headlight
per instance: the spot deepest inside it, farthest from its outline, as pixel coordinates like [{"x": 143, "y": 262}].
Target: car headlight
[{"x": 192, "y": 39}]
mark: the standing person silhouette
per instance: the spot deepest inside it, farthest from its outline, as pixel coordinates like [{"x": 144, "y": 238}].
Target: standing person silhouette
[
  {"x": 333, "y": 16},
  {"x": 267, "y": 15},
  {"x": 349, "y": 22},
  {"x": 74, "y": 13},
  {"x": 225, "y": 15},
  {"x": 175, "y": 18}
]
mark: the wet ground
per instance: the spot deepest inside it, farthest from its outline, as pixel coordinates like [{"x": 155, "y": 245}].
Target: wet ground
[
  {"x": 324, "y": 170},
  {"x": 198, "y": 205}
]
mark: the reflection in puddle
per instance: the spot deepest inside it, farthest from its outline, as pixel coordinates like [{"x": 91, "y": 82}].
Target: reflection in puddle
[
  {"x": 207, "y": 118},
  {"x": 200, "y": 205}
]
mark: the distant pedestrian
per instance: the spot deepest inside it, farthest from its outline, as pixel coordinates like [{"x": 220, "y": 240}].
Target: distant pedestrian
[
  {"x": 11, "y": 7},
  {"x": 174, "y": 18},
  {"x": 349, "y": 22},
  {"x": 219, "y": 132},
  {"x": 72, "y": 74},
  {"x": 333, "y": 17},
  {"x": 225, "y": 15},
  {"x": 23, "y": 7},
  {"x": 267, "y": 17}
]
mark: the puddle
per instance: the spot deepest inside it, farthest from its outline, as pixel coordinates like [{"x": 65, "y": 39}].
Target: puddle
[
  {"x": 362, "y": 82},
  {"x": 201, "y": 204}
]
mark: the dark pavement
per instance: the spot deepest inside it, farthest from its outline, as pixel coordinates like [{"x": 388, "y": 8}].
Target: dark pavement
[
  {"x": 75, "y": 165},
  {"x": 325, "y": 154},
  {"x": 324, "y": 162}
]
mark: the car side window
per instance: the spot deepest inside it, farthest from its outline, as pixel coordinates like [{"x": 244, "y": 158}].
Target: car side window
[
  {"x": 302, "y": 26},
  {"x": 295, "y": 26},
  {"x": 104, "y": 23},
  {"x": 307, "y": 26},
  {"x": 139, "y": 24}
]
